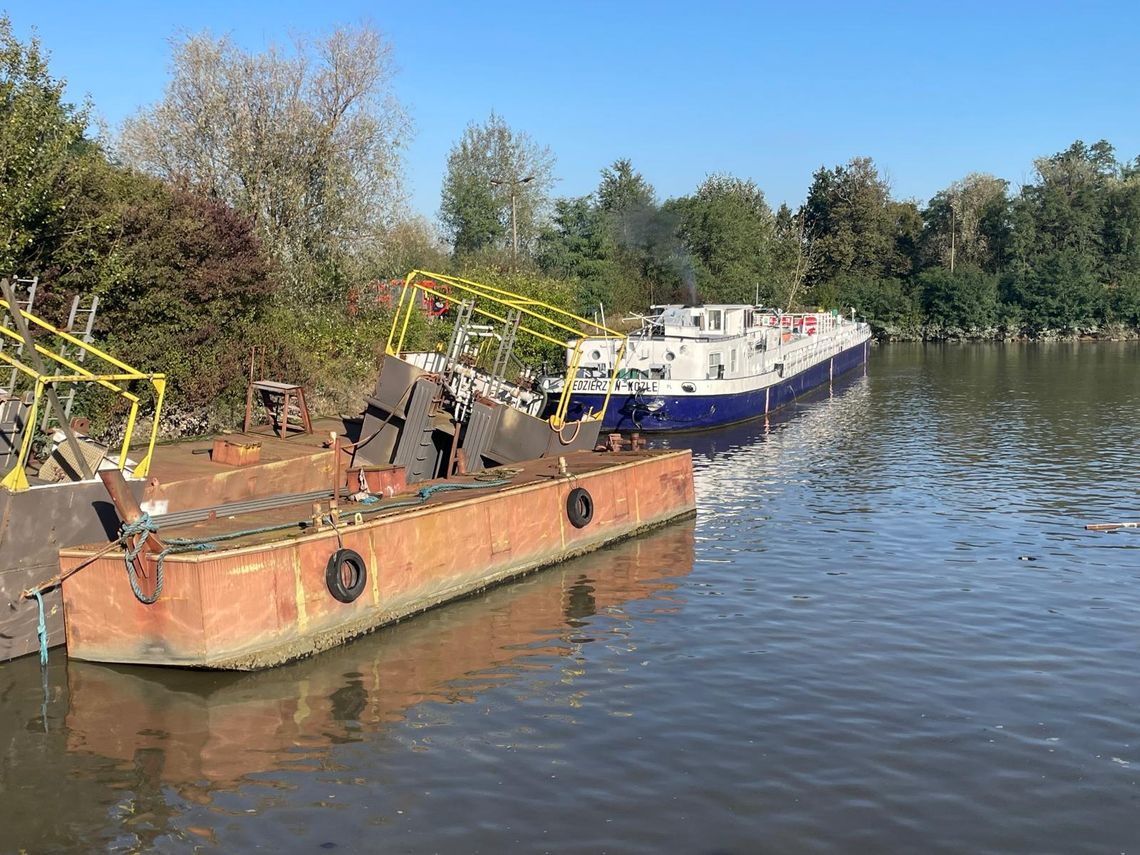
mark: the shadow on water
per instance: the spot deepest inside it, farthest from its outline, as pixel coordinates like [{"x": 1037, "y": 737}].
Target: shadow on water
[{"x": 135, "y": 742}]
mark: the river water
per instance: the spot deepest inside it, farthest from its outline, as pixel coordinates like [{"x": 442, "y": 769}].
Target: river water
[{"x": 885, "y": 631}]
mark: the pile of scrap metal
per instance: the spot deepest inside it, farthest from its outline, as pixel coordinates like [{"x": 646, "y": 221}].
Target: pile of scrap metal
[{"x": 474, "y": 403}]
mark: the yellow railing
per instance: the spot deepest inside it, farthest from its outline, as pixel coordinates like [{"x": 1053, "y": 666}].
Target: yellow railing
[
  {"x": 76, "y": 372},
  {"x": 574, "y": 326}
]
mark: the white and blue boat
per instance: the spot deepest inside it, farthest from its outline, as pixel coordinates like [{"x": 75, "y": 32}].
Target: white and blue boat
[{"x": 694, "y": 368}]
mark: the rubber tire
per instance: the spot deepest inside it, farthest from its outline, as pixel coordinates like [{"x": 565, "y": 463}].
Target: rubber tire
[
  {"x": 579, "y": 507},
  {"x": 333, "y": 577}
]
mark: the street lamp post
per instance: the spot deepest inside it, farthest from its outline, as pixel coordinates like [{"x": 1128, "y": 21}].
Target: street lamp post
[{"x": 513, "y": 184}]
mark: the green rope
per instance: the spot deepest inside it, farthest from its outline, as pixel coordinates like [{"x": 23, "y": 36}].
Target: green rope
[{"x": 142, "y": 529}]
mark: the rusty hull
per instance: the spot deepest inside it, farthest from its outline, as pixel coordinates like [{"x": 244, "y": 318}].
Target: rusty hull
[{"x": 265, "y": 601}]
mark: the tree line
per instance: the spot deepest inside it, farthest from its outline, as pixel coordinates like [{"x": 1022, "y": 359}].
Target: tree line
[
  {"x": 1060, "y": 256},
  {"x": 263, "y": 189}
]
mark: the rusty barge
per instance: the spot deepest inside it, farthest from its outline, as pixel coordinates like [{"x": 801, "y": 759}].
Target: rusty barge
[
  {"x": 257, "y": 583},
  {"x": 282, "y": 584}
]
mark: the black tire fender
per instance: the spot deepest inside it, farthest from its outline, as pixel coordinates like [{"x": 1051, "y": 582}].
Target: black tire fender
[
  {"x": 346, "y": 575},
  {"x": 579, "y": 507}
]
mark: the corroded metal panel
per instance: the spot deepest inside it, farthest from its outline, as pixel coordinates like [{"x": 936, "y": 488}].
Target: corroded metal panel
[
  {"x": 36, "y": 523},
  {"x": 519, "y": 436}
]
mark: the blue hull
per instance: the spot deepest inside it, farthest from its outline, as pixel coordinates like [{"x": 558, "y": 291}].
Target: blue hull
[{"x": 701, "y": 412}]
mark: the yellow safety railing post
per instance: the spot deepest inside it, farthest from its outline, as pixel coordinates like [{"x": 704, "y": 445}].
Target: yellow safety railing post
[
  {"x": 142, "y": 468},
  {"x": 17, "y": 479},
  {"x": 613, "y": 378}
]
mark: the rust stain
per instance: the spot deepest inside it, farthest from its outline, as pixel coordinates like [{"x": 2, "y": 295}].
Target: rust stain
[
  {"x": 299, "y": 594},
  {"x": 374, "y": 572},
  {"x": 243, "y": 569}
]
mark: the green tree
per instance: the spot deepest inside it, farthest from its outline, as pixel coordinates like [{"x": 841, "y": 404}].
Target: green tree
[
  {"x": 39, "y": 134},
  {"x": 1122, "y": 225},
  {"x": 578, "y": 245},
  {"x": 1058, "y": 291},
  {"x": 962, "y": 302},
  {"x": 855, "y": 234},
  {"x": 965, "y": 224},
  {"x": 728, "y": 229},
  {"x": 1060, "y": 240},
  {"x": 849, "y": 221},
  {"x": 495, "y": 173},
  {"x": 305, "y": 142},
  {"x": 887, "y": 304},
  {"x": 623, "y": 189},
  {"x": 181, "y": 278},
  {"x": 407, "y": 245},
  {"x": 648, "y": 249}
]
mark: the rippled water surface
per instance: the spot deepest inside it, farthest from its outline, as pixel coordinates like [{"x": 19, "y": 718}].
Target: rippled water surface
[{"x": 886, "y": 631}]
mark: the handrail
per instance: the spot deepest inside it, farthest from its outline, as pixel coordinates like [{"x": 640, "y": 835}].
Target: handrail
[
  {"x": 552, "y": 316},
  {"x": 17, "y": 478}
]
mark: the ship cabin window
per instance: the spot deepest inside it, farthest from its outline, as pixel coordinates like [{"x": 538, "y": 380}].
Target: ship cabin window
[
  {"x": 713, "y": 320},
  {"x": 716, "y": 366},
  {"x": 732, "y": 360}
]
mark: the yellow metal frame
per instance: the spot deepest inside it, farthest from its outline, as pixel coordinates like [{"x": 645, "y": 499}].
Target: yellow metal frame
[
  {"x": 17, "y": 478},
  {"x": 577, "y": 327}
]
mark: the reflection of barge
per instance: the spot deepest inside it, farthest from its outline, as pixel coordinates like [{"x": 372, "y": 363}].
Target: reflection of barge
[
  {"x": 704, "y": 367},
  {"x": 222, "y": 729}
]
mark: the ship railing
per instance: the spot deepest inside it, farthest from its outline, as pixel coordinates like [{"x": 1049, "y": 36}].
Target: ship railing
[
  {"x": 44, "y": 377},
  {"x": 815, "y": 349},
  {"x": 538, "y": 319}
]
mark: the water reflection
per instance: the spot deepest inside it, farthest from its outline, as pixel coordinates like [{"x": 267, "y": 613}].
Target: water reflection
[
  {"x": 201, "y": 733},
  {"x": 860, "y": 660},
  {"x": 814, "y": 413}
]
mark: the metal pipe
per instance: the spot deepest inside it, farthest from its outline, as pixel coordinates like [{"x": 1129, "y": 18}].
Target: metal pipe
[{"x": 125, "y": 504}]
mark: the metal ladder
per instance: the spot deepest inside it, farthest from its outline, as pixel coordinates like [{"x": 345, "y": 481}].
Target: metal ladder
[
  {"x": 504, "y": 353},
  {"x": 77, "y": 310},
  {"x": 30, "y": 285}
]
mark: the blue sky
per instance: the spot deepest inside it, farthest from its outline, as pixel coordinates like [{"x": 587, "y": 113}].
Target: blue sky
[{"x": 931, "y": 91}]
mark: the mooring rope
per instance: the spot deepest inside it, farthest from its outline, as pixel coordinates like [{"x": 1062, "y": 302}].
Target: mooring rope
[{"x": 41, "y": 630}]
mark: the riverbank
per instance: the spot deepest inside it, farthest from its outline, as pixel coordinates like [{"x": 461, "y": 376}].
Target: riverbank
[{"x": 1110, "y": 332}]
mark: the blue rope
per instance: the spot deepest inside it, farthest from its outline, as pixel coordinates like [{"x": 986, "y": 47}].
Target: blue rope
[{"x": 41, "y": 630}]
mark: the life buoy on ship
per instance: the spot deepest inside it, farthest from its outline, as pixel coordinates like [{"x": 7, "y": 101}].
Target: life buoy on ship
[
  {"x": 346, "y": 575},
  {"x": 579, "y": 507}
]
